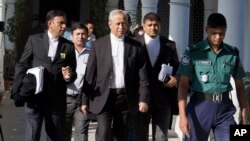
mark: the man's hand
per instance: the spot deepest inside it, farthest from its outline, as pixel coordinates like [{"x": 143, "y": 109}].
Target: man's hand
[
  {"x": 85, "y": 109},
  {"x": 172, "y": 82},
  {"x": 67, "y": 73},
  {"x": 243, "y": 116},
  {"x": 143, "y": 107},
  {"x": 184, "y": 125}
]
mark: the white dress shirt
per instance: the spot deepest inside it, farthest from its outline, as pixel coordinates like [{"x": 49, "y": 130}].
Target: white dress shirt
[
  {"x": 53, "y": 42},
  {"x": 117, "y": 50},
  {"x": 153, "y": 47},
  {"x": 92, "y": 37},
  {"x": 81, "y": 60}
]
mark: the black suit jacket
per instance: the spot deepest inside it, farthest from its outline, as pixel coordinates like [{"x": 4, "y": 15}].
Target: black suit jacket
[
  {"x": 99, "y": 74},
  {"x": 161, "y": 96},
  {"x": 36, "y": 54}
]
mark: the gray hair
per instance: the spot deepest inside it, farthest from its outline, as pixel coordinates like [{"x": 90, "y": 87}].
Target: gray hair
[{"x": 117, "y": 11}]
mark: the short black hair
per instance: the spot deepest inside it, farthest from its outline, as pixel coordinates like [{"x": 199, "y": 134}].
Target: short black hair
[
  {"x": 89, "y": 21},
  {"x": 216, "y": 20},
  {"x": 78, "y": 25},
  {"x": 53, "y": 13},
  {"x": 152, "y": 17}
]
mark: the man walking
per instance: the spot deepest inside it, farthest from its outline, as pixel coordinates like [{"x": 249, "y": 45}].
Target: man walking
[
  {"x": 116, "y": 81},
  {"x": 207, "y": 68}
]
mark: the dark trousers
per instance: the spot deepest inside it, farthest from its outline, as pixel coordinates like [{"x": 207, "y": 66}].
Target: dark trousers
[
  {"x": 54, "y": 122},
  {"x": 204, "y": 115},
  {"x": 161, "y": 118},
  {"x": 138, "y": 126},
  {"x": 113, "y": 120},
  {"x": 76, "y": 117}
]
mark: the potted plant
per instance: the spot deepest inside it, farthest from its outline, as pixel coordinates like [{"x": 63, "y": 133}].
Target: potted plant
[
  {"x": 19, "y": 25},
  {"x": 9, "y": 68},
  {"x": 99, "y": 16}
]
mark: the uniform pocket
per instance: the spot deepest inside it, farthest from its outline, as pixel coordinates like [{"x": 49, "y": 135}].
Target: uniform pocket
[
  {"x": 227, "y": 72},
  {"x": 202, "y": 70}
]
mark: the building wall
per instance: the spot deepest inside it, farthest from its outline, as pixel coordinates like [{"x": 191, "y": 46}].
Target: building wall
[{"x": 196, "y": 18}]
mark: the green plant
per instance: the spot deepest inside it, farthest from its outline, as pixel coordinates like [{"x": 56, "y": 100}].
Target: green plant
[
  {"x": 19, "y": 26},
  {"x": 14, "y": 30},
  {"x": 9, "y": 64},
  {"x": 100, "y": 17}
]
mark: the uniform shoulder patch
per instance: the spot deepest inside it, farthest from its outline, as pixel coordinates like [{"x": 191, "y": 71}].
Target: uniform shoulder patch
[
  {"x": 192, "y": 47},
  {"x": 185, "y": 60},
  {"x": 232, "y": 49}
]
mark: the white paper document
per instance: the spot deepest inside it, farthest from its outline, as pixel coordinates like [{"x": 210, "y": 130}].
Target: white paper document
[
  {"x": 166, "y": 70},
  {"x": 38, "y": 72}
]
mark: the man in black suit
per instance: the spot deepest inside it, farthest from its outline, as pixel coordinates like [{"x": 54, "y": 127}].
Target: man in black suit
[
  {"x": 159, "y": 50},
  {"x": 116, "y": 81},
  {"x": 57, "y": 56}
]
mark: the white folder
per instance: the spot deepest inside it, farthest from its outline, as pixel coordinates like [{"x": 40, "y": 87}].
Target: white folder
[
  {"x": 165, "y": 71},
  {"x": 38, "y": 72}
]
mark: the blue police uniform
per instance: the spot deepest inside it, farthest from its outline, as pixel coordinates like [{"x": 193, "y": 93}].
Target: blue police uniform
[{"x": 210, "y": 106}]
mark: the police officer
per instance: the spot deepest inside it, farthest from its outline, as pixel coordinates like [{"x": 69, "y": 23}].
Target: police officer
[{"x": 207, "y": 68}]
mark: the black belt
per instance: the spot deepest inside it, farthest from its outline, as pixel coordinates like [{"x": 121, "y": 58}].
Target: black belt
[
  {"x": 215, "y": 97},
  {"x": 120, "y": 91}
]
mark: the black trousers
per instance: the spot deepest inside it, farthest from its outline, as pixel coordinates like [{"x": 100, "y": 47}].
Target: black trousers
[
  {"x": 113, "y": 120},
  {"x": 54, "y": 122}
]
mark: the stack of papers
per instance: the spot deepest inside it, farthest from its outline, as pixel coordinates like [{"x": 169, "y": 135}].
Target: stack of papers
[
  {"x": 38, "y": 72},
  {"x": 166, "y": 70}
]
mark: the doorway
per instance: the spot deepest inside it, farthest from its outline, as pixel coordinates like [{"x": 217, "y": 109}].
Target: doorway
[{"x": 71, "y": 8}]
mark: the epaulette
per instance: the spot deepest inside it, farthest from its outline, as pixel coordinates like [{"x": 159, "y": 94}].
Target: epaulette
[
  {"x": 236, "y": 51},
  {"x": 192, "y": 47},
  {"x": 232, "y": 49}
]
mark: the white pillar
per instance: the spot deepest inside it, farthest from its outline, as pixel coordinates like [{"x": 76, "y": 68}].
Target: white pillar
[
  {"x": 235, "y": 22},
  {"x": 130, "y": 7},
  {"x": 9, "y": 13},
  {"x": 148, "y": 6},
  {"x": 179, "y": 23},
  {"x": 235, "y": 33},
  {"x": 246, "y": 62},
  {"x": 2, "y": 48},
  {"x": 111, "y": 5},
  {"x": 209, "y": 8},
  {"x": 179, "y": 32}
]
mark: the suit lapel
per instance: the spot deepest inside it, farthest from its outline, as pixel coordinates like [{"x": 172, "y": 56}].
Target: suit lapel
[
  {"x": 158, "y": 60},
  {"x": 59, "y": 49},
  {"x": 108, "y": 54},
  {"x": 45, "y": 47},
  {"x": 127, "y": 47},
  {"x": 146, "y": 52}
]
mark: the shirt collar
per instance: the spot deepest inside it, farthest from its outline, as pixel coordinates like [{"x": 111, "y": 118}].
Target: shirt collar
[
  {"x": 51, "y": 37},
  {"x": 83, "y": 51},
  {"x": 207, "y": 46},
  {"x": 115, "y": 38},
  {"x": 148, "y": 38}
]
